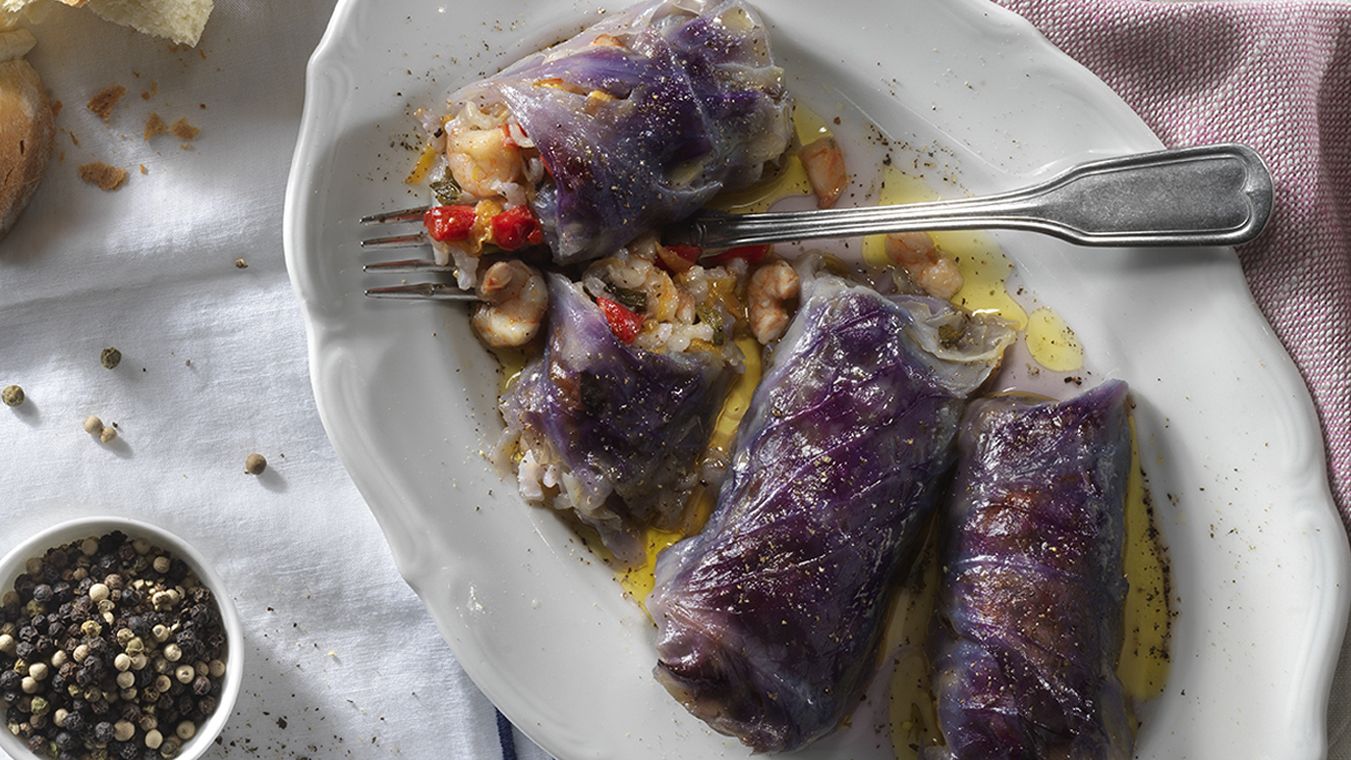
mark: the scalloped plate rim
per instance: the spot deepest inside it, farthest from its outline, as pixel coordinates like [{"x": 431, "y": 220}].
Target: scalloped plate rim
[{"x": 378, "y": 487}]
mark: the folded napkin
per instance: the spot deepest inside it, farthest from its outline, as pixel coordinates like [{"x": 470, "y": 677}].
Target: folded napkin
[{"x": 1275, "y": 75}]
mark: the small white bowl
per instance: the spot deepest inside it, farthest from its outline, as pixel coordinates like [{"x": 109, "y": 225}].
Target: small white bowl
[{"x": 13, "y": 565}]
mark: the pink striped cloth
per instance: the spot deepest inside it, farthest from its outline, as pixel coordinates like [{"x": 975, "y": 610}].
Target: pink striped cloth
[{"x": 1275, "y": 75}]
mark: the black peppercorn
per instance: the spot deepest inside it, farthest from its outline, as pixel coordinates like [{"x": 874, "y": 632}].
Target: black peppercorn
[
  {"x": 103, "y": 732},
  {"x": 24, "y": 650},
  {"x": 37, "y": 743},
  {"x": 42, "y": 593},
  {"x": 75, "y": 721},
  {"x": 65, "y": 740},
  {"x": 10, "y": 680},
  {"x": 28, "y": 633}
]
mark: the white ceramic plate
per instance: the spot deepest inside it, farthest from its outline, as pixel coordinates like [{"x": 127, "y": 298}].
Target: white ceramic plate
[{"x": 1232, "y": 447}]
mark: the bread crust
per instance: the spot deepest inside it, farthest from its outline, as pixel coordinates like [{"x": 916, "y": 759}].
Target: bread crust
[{"x": 27, "y": 129}]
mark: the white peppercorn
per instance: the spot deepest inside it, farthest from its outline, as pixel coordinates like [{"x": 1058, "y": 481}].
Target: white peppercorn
[
  {"x": 59, "y": 717},
  {"x": 254, "y": 464},
  {"x": 161, "y": 565},
  {"x": 185, "y": 674},
  {"x": 89, "y": 547},
  {"x": 123, "y": 730},
  {"x": 217, "y": 668},
  {"x": 12, "y": 395},
  {"x": 160, "y": 633},
  {"x": 29, "y": 685},
  {"x": 138, "y": 662},
  {"x": 81, "y": 653},
  {"x": 7, "y": 644},
  {"x": 93, "y": 426},
  {"x": 172, "y": 652},
  {"x": 126, "y": 680},
  {"x": 202, "y": 669},
  {"x": 38, "y": 671},
  {"x": 122, "y": 662},
  {"x": 186, "y": 730},
  {"x": 162, "y": 683},
  {"x": 153, "y": 739},
  {"x": 98, "y": 592},
  {"x": 134, "y": 647},
  {"x": 59, "y": 658},
  {"x": 108, "y": 434}
]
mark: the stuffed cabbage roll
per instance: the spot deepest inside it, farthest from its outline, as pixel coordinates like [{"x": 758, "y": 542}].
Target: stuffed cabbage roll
[
  {"x": 613, "y": 424},
  {"x": 632, "y": 124},
  {"x": 770, "y": 618},
  {"x": 1029, "y": 624}
]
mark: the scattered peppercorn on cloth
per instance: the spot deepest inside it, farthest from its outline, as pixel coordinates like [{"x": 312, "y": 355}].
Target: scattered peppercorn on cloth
[
  {"x": 1274, "y": 75},
  {"x": 341, "y": 659}
]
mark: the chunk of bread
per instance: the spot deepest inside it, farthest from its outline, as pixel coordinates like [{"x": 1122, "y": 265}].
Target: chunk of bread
[
  {"x": 26, "y": 133},
  {"x": 180, "y": 20},
  {"x": 14, "y": 6}
]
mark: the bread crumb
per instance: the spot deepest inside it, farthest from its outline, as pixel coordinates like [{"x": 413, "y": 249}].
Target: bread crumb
[
  {"x": 152, "y": 92},
  {"x": 185, "y": 131},
  {"x": 107, "y": 178},
  {"x": 154, "y": 127},
  {"x": 105, "y": 100},
  {"x": 144, "y": 170}
]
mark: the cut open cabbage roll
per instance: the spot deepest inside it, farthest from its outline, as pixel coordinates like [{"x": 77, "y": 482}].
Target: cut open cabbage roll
[
  {"x": 632, "y": 124},
  {"x": 1029, "y": 623},
  {"x": 610, "y": 429},
  {"x": 769, "y": 619}
]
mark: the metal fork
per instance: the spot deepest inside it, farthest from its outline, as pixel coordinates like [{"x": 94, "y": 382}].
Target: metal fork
[{"x": 1208, "y": 195}]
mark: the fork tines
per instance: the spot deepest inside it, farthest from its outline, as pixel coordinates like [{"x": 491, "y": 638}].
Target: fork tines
[
  {"x": 423, "y": 291},
  {"x": 402, "y": 215},
  {"x": 419, "y": 291}
]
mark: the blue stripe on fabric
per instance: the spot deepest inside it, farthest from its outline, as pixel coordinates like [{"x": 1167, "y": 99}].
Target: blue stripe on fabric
[{"x": 506, "y": 737}]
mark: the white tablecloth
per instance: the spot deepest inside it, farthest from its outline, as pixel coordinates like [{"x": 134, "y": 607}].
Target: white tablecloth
[{"x": 341, "y": 658}]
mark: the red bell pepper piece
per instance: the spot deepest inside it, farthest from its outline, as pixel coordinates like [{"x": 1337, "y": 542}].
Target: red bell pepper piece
[
  {"x": 624, "y": 323},
  {"x": 753, "y": 254},
  {"x": 447, "y": 223},
  {"x": 516, "y": 228}
]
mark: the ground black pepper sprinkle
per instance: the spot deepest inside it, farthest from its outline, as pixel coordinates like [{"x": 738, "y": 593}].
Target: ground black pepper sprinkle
[{"x": 91, "y": 639}]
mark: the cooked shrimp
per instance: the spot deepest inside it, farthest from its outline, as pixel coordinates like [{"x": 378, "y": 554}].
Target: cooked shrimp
[
  {"x": 515, "y": 298},
  {"x": 824, "y": 163},
  {"x": 931, "y": 270},
  {"x": 482, "y": 160},
  {"x": 771, "y": 294}
]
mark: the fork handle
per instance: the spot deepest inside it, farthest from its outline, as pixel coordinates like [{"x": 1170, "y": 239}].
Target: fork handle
[{"x": 1210, "y": 195}]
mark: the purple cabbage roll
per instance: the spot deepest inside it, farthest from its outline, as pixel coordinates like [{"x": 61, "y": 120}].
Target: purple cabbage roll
[
  {"x": 769, "y": 620},
  {"x": 1029, "y": 622},
  {"x": 642, "y": 118},
  {"x": 608, "y": 430}
]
